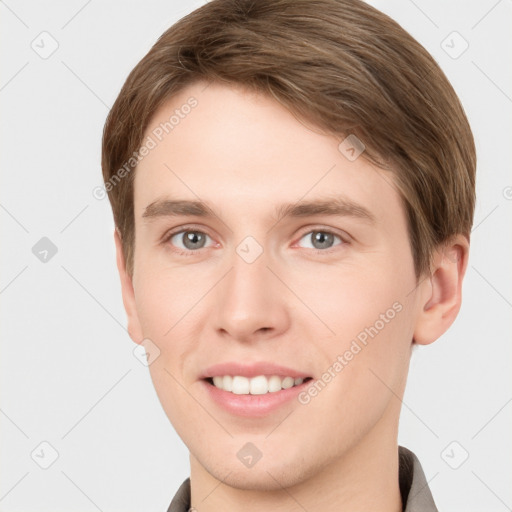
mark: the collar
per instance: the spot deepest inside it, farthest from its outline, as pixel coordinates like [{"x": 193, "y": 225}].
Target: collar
[{"x": 416, "y": 495}]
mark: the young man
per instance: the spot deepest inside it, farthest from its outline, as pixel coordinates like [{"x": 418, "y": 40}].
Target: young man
[{"x": 292, "y": 184}]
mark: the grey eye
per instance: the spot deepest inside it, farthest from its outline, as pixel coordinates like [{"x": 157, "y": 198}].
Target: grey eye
[
  {"x": 189, "y": 239},
  {"x": 320, "y": 239}
]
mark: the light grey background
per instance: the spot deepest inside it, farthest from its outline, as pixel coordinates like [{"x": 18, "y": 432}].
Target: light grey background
[{"x": 68, "y": 374}]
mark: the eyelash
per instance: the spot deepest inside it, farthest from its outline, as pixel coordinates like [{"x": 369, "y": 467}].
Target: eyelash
[
  {"x": 167, "y": 237},
  {"x": 183, "y": 229}
]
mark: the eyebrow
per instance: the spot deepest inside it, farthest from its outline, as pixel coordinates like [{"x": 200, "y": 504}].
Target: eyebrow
[{"x": 338, "y": 206}]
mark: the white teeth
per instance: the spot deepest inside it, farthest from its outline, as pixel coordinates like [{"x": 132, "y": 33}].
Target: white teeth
[
  {"x": 288, "y": 382},
  {"x": 274, "y": 384},
  {"x": 259, "y": 385},
  {"x": 240, "y": 385},
  {"x": 227, "y": 383}
]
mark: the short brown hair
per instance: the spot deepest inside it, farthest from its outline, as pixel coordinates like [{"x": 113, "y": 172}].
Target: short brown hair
[{"x": 339, "y": 64}]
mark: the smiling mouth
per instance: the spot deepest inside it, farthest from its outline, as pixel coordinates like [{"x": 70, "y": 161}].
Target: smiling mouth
[{"x": 260, "y": 385}]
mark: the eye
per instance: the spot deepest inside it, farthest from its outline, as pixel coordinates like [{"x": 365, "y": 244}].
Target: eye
[
  {"x": 187, "y": 240},
  {"x": 321, "y": 239}
]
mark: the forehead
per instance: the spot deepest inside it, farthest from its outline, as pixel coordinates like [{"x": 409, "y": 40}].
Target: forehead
[{"x": 241, "y": 150}]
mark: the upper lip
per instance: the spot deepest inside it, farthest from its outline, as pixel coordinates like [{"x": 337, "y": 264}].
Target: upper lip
[{"x": 251, "y": 370}]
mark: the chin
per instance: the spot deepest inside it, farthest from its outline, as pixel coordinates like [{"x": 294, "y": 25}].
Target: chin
[{"x": 270, "y": 475}]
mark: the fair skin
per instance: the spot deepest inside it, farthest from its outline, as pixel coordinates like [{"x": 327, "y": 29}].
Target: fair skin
[{"x": 298, "y": 304}]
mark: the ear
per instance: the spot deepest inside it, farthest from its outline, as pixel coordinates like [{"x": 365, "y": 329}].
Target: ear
[
  {"x": 441, "y": 293},
  {"x": 134, "y": 327}
]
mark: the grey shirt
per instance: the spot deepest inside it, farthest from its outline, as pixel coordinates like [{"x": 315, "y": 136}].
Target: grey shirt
[{"x": 416, "y": 495}]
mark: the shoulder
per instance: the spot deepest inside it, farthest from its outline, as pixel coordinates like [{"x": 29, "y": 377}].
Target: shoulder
[{"x": 416, "y": 495}]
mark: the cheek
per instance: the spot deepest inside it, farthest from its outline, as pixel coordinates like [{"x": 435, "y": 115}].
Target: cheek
[
  {"x": 363, "y": 374},
  {"x": 347, "y": 297},
  {"x": 167, "y": 302},
  {"x": 164, "y": 296},
  {"x": 371, "y": 318}
]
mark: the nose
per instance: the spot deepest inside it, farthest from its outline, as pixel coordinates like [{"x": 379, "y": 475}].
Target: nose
[{"x": 251, "y": 302}]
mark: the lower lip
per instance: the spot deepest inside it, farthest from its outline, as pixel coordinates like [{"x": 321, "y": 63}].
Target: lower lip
[{"x": 253, "y": 405}]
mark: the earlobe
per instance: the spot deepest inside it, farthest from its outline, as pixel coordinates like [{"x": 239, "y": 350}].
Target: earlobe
[
  {"x": 134, "y": 327},
  {"x": 441, "y": 293}
]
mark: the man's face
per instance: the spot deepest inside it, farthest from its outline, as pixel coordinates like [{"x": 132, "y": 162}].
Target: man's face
[{"x": 246, "y": 286}]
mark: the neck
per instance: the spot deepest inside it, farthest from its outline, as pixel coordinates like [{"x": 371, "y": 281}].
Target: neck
[{"x": 364, "y": 478}]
